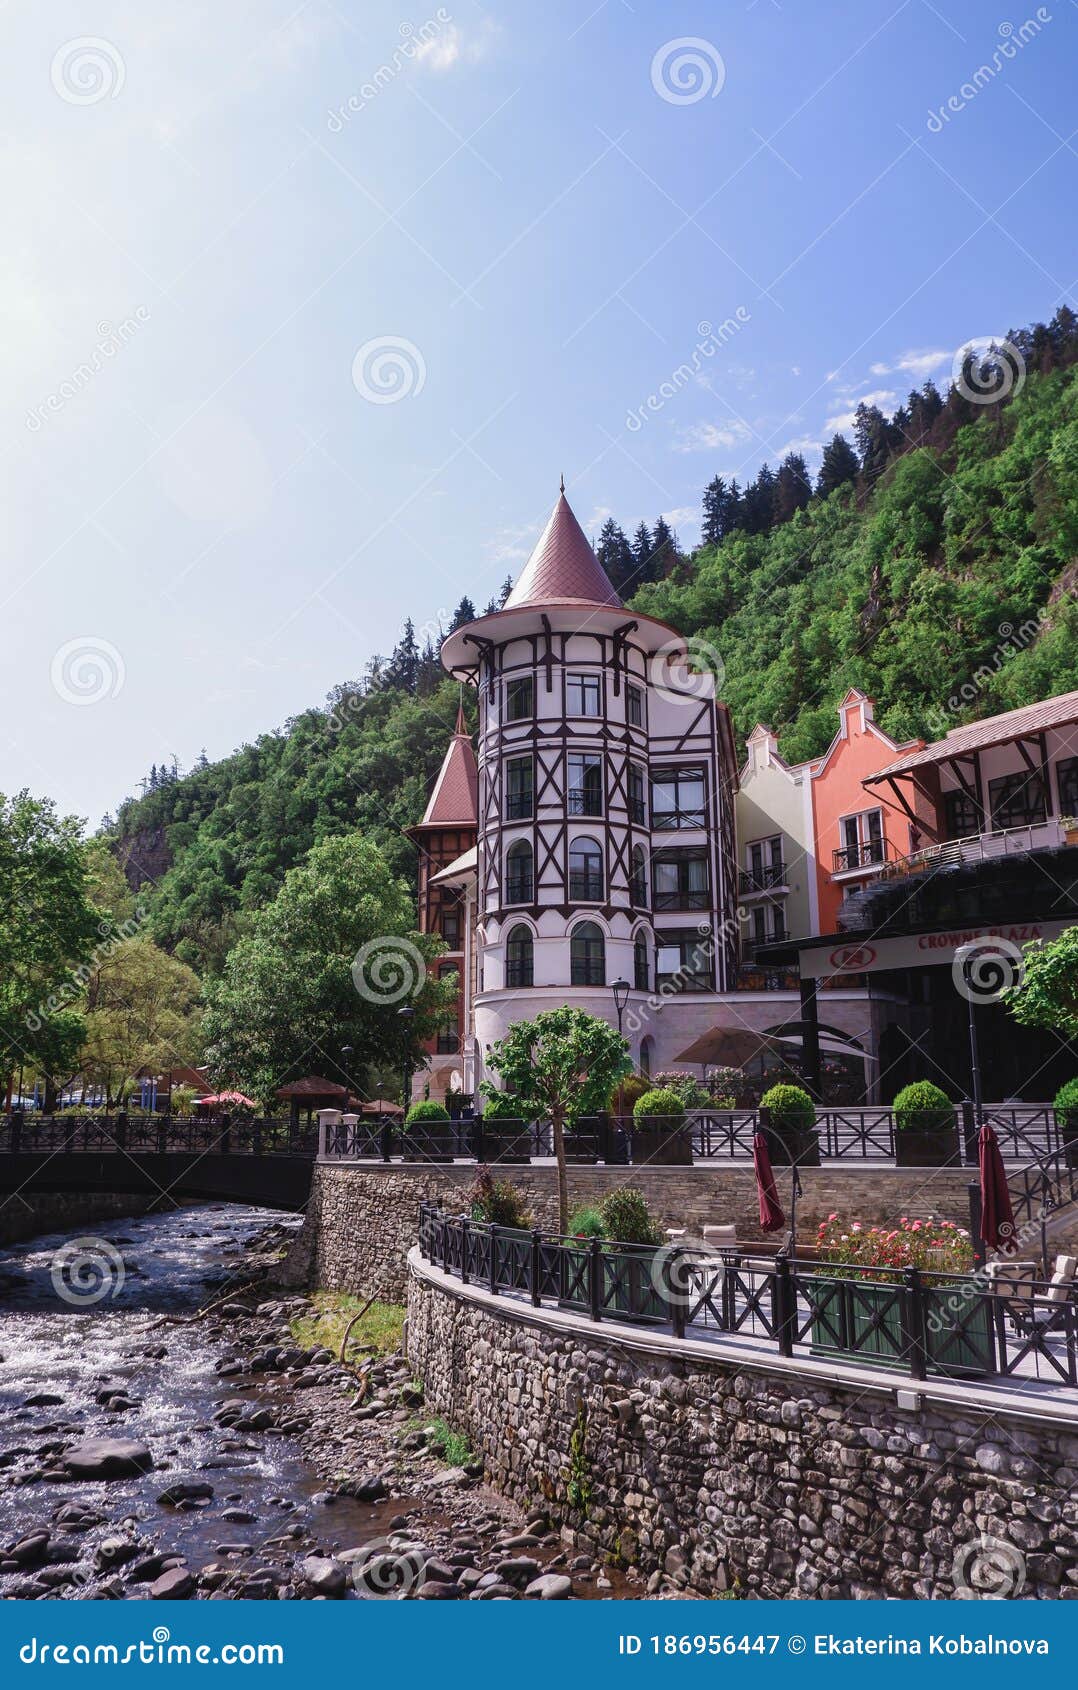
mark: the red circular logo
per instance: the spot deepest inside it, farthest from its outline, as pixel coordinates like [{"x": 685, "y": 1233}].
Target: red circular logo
[{"x": 852, "y": 958}]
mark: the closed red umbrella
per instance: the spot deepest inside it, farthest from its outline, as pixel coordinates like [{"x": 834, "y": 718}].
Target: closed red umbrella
[
  {"x": 997, "y": 1216},
  {"x": 772, "y": 1218}
]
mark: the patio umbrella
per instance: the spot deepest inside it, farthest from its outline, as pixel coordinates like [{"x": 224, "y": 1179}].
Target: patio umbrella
[
  {"x": 997, "y": 1216},
  {"x": 772, "y": 1218}
]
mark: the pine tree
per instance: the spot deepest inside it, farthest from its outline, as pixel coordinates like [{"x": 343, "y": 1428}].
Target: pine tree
[
  {"x": 664, "y": 553},
  {"x": 403, "y": 667},
  {"x": 721, "y": 513},
  {"x": 758, "y": 503},
  {"x": 464, "y": 613},
  {"x": 491, "y": 607},
  {"x": 615, "y": 554},
  {"x": 507, "y": 588},
  {"x": 793, "y": 488},
  {"x": 838, "y": 466},
  {"x": 874, "y": 441},
  {"x": 431, "y": 674}
]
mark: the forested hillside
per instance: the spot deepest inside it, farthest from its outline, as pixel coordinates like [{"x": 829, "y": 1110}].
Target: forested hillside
[{"x": 934, "y": 568}]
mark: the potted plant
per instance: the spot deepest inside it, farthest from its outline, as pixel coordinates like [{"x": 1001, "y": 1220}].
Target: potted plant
[
  {"x": 790, "y": 1114},
  {"x": 505, "y": 1135},
  {"x": 858, "y": 1298},
  {"x": 1069, "y": 824},
  {"x": 926, "y": 1135},
  {"x": 428, "y": 1133},
  {"x": 629, "y": 1241},
  {"x": 1066, "y": 1108},
  {"x": 660, "y": 1133}
]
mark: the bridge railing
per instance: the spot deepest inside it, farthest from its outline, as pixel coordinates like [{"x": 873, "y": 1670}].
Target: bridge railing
[{"x": 154, "y": 1134}]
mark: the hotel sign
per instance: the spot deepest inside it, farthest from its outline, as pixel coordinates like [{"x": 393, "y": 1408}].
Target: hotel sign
[{"x": 917, "y": 950}]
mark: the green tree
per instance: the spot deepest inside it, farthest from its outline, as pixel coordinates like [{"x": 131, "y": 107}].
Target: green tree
[
  {"x": 1047, "y": 994},
  {"x": 47, "y": 927},
  {"x": 838, "y": 466},
  {"x": 563, "y": 1064},
  {"x": 142, "y": 1011},
  {"x": 329, "y": 962},
  {"x": 615, "y": 554}
]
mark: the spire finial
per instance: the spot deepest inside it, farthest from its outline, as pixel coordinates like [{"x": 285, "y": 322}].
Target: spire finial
[
  {"x": 462, "y": 726},
  {"x": 563, "y": 481}
]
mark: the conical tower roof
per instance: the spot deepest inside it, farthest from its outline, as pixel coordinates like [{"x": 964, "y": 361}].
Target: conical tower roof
[
  {"x": 563, "y": 568},
  {"x": 454, "y": 800}
]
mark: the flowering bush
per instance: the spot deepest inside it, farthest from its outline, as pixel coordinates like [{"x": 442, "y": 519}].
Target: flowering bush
[
  {"x": 690, "y": 1091},
  {"x": 727, "y": 1086},
  {"x": 937, "y": 1246}
]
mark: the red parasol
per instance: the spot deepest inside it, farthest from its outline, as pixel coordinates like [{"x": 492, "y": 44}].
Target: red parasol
[
  {"x": 226, "y": 1100},
  {"x": 772, "y": 1218},
  {"x": 997, "y": 1216}
]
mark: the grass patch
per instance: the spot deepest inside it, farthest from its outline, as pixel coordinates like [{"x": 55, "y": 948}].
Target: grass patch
[
  {"x": 379, "y": 1332},
  {"x": 452, "y": 1447}
]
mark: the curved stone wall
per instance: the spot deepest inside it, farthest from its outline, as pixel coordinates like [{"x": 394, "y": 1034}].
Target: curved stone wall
[{"x": 775, "y": 1480}]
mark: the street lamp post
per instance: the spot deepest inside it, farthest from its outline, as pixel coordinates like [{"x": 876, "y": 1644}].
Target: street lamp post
[{"x": 407, "y": 1015}]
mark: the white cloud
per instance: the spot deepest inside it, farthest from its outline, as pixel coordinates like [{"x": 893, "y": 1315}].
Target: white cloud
[
  {"x": 452, "y": 47},
  {"x": 512, "y": 545},
  {"x": 712, "y": 437},
  {"x": 683, "y": 514},
  {"x": 844, "y": 419},
  {"x": 920, "y": 364}
]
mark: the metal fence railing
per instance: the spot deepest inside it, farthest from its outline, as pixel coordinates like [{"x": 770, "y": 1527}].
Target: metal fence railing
[
  {"x": 154, "y": 1134},
  {"x": 922, "y": 1324}
]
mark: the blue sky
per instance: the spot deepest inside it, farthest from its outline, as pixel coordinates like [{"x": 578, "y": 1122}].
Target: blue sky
[{"x": 308, "y": 305}]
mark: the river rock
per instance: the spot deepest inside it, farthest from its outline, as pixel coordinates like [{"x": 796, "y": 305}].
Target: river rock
[
  {"x": 174, "y": 1586},
  {"x": 29, "y": 1550},
  {"x": 42, "y": 1399},
  {"x": 107, "y": 1458},
  {"x": 550, "y": 1587},
  {"x": 326, "y": 1577},
  {"x": 185, "y": 1490}
]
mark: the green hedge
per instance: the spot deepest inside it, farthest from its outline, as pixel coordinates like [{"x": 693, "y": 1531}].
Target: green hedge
[
  {"x": 790, "y": 1107},
  {"x": 426, "y": 1111},
  {"x": 665, "y": 1103},
  {"x": 923, "y": 1108},
  {"x": 1066, "y": 1104}
]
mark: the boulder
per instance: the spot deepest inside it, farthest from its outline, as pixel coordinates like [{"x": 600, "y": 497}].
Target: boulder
[
  {"x": 326, "y": 1577},
  {"x": 174, "y": 1586},
  {"x": 107, "y": 1458},
  {"x": 550, "y": 1587}
]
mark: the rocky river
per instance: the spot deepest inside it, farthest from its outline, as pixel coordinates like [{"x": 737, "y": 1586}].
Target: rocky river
[{"x": 163, "y": 1434}]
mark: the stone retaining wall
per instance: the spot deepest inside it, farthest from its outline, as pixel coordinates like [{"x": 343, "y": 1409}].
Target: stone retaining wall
[
  {"x": 725, "y": 1476},
  {"x": 362, "y": 1221}
]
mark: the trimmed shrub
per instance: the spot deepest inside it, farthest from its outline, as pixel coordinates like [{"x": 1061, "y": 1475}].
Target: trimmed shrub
[
  {"x": 659, "y": 1102},
  {"x": 923, "y": 1108},
  {"x": 626, "y": 1218},
  {"x": 426, "y": 1111},
  {"x": 586, "y": 1222},
  {"x": 498, "y": 1201},
  {"x": 790, "y": 1107},
  {"x": 1066, "y": 1104}
]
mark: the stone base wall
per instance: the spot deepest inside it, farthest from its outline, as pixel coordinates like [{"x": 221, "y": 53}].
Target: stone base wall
[
  {"x": 31, "y": 1215},
  {"x": 362, "y": 1221},
  {"x": 719, "y": 1476}
]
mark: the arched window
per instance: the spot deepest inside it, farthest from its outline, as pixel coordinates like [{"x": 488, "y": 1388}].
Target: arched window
[
  {"x": 587, "y": 955},
  {"x": 585, "y": 872},
  {"x": 519, "y": 957},
  {"x": 519, "y": 876},
  {"x": 640, "y": 962},
  {"x": 638, "y": 886},
  {"x": 647, "y": 1048}
]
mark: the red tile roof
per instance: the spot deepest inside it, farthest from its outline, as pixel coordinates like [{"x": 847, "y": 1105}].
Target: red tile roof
[
  {"x": 994, "y": 730},
  {"x": 563, "y": 567},
  {"x": 454, "y": 800}
]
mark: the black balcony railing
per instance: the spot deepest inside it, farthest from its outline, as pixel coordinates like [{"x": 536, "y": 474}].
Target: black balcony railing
[
  {"x": 638, "y": 811},
  {"x": 667, "y": 820},
  {"x": 869, "y": 852},
  {"x": 582, "y": 801},
  {"x": 519, "y": 974},
  {"x": 684, "y": 899},
  {"x": 519, "y": 806},
  {"x": 762, "y": 879},
  {"x": 519, "y": 889},
  {"x": 585, "y": 887}
]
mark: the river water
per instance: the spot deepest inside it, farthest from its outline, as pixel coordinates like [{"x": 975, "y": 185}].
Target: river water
[{"x": 69, "y": 1353}]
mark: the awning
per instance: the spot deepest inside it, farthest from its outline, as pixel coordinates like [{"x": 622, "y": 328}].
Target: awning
[{"x": 460, "y": 870}]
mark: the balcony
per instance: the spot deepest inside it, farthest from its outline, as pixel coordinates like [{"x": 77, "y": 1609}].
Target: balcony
[
  {"x": 519, "y": 889},
  {"x": 682, "y": 900},
  {"x": 749, "y": 947},
  {"x": 667, "y": 820},
  {"x": 519, "y": 807},
  {"x": 585, "y": 888},
  {"x": 638, "y": 812},
  {"x": 856, "y": 858},
  {"x": 769, "y": 877},
  {"x": 583, "y": 801},
  {"x": 981, "y": 848}
]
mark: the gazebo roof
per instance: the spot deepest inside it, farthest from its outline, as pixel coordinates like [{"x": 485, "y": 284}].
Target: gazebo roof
[{"x": 312, "y": 1085}]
